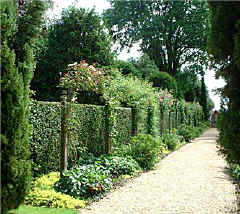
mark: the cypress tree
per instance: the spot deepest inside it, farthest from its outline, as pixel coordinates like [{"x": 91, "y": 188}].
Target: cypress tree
[
  {"x": 203, "y": 99},
  {"x": 17, "y": 65}
]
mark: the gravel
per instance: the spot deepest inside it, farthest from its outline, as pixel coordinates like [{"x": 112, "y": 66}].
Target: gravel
[{"x": 193, "y": 180}]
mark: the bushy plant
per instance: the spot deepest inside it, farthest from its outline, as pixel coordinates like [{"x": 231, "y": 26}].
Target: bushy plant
[
  {"x": 44, "y": 195},
  {"x": 84, "y": 181},
  {"x": 235, "y": 169},
  {"x": 116, "y": 165},
  {"x": 186, "y": 131},
  {"x": 190, "y": 132},
  {"x": 95, "y": 176},
  {"x": 163, "y": 80},
  {"x": 145, "y": 150},
  {"x": 171, "y": 140}
]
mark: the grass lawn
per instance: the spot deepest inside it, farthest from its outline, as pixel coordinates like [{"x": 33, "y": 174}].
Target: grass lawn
[{"x": 23, "y": 209}]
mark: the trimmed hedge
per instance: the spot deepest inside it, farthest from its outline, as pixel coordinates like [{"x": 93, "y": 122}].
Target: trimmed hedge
[
  {"x": 86, "y": 126},
  {"x": 123, "y": 125},
  {"x": 45, "y": 118}
]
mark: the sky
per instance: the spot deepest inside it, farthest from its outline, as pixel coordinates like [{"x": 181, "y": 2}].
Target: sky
[{"x": 101, "y": 5}]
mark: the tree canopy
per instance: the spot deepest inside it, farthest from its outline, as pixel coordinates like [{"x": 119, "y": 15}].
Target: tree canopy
[
  {"x": 172, "y": 33},
  {"x": 77, "y": 35}
]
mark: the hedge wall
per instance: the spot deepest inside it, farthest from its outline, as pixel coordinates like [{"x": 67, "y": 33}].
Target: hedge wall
[
  {"x": 86, "y": 125},
  {"x": 86, "y": 128},
  {"x": 45, "y": 147},
  {"x": 123, "y": 125}
]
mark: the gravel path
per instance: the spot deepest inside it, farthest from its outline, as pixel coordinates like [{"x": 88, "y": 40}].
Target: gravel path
[{"x": 193, "y": 180}]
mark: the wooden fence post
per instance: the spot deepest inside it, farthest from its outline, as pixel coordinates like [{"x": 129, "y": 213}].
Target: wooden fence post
[
  {"x": 64, "y": 137},
  {"x": 176, "y": 119},
  {"x": 169, "y": 121},
  {"x": 161, "y": 120},
  {"x": 107, "y": 129}
]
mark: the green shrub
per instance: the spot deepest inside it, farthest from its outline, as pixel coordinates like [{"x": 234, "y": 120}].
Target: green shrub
[
  {"x": 163, "y": 80},
  {"x": 117, "y": 166},
  {"x": 235, "y": 169},
  {"x": 190, "y": 132},
  {"x": 171, "y": 140},
  {"x": 84, "y": 181},
  {"x": 95, "y": 176},
  {"x": 145, "y": 150},
  {"x": 186, "y": 131},
  {"x": 44, "y": 195}
]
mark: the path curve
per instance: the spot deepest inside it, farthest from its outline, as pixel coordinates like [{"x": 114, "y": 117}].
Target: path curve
[{"x": 192, "y": 180}]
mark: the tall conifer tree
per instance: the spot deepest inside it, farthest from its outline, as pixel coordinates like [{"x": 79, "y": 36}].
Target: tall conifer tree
[{"x": 20, "y": 21}]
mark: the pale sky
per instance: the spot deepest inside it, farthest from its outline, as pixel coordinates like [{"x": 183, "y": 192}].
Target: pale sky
[{"x": 100, "y": 5}]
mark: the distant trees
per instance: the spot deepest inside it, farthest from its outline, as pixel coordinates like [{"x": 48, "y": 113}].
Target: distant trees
[
  {"x": 224, "y": 46},
  {"x": 20, "y": 23},
  {"x": 78, "y": 35},
  {"x": 164, "y": 80},
  {"x": 172, "y": 33}
]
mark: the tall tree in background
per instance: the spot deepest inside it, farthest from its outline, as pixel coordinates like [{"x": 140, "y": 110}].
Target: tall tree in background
[
  {"x": 20, "y": 22},
  {"x": 78, "y": 35},
  {"x": 145, "y": 66},
  {"x": 172, "y": 33},
  {"x": 188, "y": 84},
  {"x": 203, "y": 99},
  {"x": 224, "y": 46}
]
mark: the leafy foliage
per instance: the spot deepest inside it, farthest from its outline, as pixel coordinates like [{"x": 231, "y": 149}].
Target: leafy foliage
[
  {"x": 170, "y": 32},
  {"x": 18, "y": 32},
  {"x": 117, "y": 166},
  {"x": 95, "y": 176},
  {"x": 84, "y": 181},
  {"x": 87, "y": 40},
  {"x": 235, "y": 169},
  {"x": 163, "y": 80},
  {"x": 145, "y": 150},
  {"x": 44, "y": 195},
  {"x": 223, "y": 45},
  {"x": 189, "y": 132},
  {"x": 45, "y": 119},
  {"x": 126, "y": 67},
  {"x": 145, "y": 66},
  {"x": 171, "y": 140},
  {"x": 86, "y": 133}
]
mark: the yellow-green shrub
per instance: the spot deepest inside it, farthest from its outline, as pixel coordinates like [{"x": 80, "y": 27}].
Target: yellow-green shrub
[
  {"x": 51, "y": 198},
  {"x": 44, "y": 195}
]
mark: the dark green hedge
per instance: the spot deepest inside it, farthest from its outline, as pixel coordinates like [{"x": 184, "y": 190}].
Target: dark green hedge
[
  {"x": 123, "y": 125},
  {"x": 45, "y": 147},
  {"x": 86, "y": 125}
]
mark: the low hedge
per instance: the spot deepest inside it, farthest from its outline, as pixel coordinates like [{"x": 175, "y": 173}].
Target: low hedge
[{"x": 86, "y": 126}]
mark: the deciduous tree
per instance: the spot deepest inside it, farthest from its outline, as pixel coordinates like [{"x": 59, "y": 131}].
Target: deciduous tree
[{"x": 172, "y": 33}]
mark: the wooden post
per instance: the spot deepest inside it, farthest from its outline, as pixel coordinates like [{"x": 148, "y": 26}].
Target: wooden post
[
  {"x": 176, "y": 115},
  {"x": 161, "y": 120},
  {"x": 134, "y": 121},
  {"x": 169, "y": 121},
  {"x": 107, "y": 129},
  {"x": 64, "y": 138}
]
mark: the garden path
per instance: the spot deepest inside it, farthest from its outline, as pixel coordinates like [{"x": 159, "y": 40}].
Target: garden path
[{"x": 192, "y": 180}]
